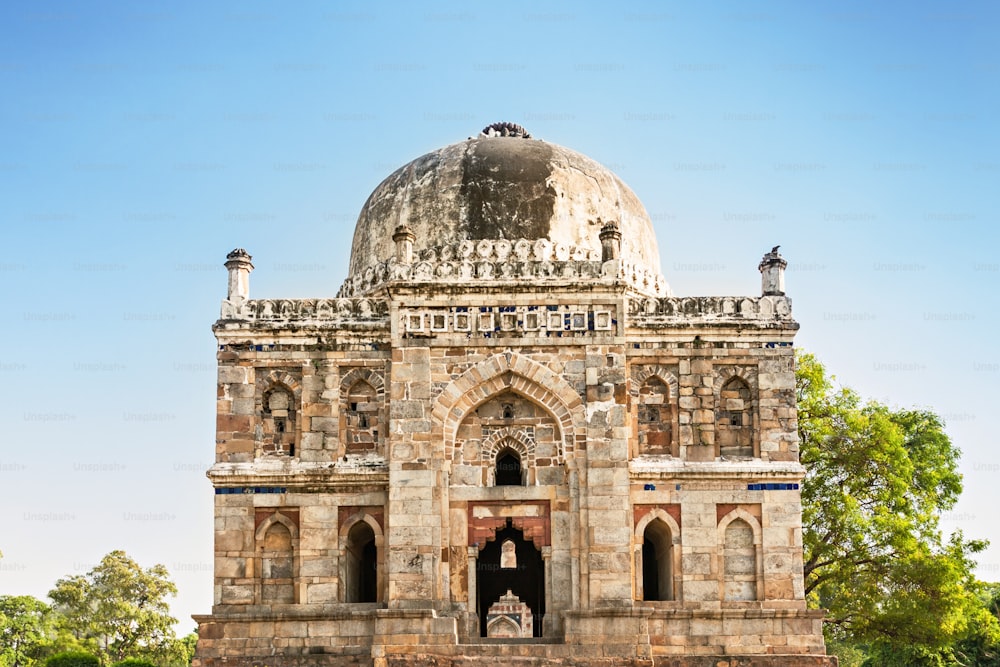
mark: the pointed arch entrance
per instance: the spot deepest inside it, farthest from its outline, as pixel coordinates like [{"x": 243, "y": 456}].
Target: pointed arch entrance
[{"x": 510, "y": 562}]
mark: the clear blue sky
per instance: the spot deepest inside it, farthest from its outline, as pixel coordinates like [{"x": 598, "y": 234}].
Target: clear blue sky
[{"x": 140, "y": 142}]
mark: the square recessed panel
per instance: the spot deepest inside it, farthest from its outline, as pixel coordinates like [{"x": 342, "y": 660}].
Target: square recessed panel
[
  {"x": 486, "y": 321},
  {"x": 508, "y": 321},
  {"x": 532, "y": 321},
  {"x": 439, "y": 321},
  {"x": 555, "y": 322},
  {"x": 578, "y": 321},
  {"x": 602, "y": 320},
  {"x": 414, "y": 321},
  {"x": 462, "y": 322}
]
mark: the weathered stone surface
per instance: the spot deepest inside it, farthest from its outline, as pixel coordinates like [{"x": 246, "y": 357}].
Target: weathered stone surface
[{"x": 505, "y": 396}]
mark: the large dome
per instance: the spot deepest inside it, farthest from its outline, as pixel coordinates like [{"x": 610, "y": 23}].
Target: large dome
[{"x": 503, "y": 187}]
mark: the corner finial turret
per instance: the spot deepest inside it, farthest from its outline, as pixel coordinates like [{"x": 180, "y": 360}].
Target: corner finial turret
[
  {"x": 772, "y": 273},
  {"x": 238, "y": 262},
  {"x": 404, "y": 238},
  {"x": 611, "y": 242}
]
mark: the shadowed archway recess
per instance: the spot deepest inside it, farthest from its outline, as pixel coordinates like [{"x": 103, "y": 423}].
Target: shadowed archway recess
[{"x": 526, "y": 579}]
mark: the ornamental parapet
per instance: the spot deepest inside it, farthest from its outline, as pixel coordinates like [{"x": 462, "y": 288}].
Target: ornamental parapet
[
  {"x": 666, "y": 311},
  {"x": 472, "y": 262},
  {"x": 363, "y": 311}
]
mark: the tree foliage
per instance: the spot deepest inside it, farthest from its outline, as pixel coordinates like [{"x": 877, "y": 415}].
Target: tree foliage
[
  {"x": 134, "y": 662},
  {"x": 876, "y": 484},
  {"x": 24, "y": 629},
  {"x": 73, "y": 659},
  {"x": 118, "y": 607}
]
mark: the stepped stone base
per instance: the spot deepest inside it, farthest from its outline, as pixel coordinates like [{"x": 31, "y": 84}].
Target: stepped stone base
[
  {"x": 421, "y": 638},
  {"x": 361, "y": 657}
]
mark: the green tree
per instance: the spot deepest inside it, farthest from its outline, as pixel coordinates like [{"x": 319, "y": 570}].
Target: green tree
[
  {"x": 73, "y": 659},
  {"x": 24, "y": 629},
  {"x": 134, "y": 662},
  {"x": 981, "y": 648},
  {"x": 181, "y": 651},
  {"x": 119, "y": 607},
  {"x": 877, "y": 481}
]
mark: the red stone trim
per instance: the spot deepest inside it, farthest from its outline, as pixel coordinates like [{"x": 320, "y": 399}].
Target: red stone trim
[
  {"x": 721, "y": 510},
  {"x": 262, "y": 514},
  {"x": 672, "y": 509},
  {"x": 347, "y": 512},
  {"x": 537, "y": 529}
]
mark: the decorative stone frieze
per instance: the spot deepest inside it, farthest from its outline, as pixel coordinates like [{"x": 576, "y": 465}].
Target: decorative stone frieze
[
  {"x": 342, "y": 310},
  {"x": 476, "y": 262},
  {"x": 652, "y": 312},
  {"x": 542, "y": 320}
]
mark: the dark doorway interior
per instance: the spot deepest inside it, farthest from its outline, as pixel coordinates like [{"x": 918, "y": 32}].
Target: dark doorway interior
[
  {"x": 526, "y": 580},
  {"x": 650, "y": 572},
  {"x": 508, "y": 471},
  {"x": 657, "y": 570},
  {"x": 362, "y": 564}
]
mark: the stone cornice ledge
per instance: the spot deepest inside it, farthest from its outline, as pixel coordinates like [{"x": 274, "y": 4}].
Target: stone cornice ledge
[
  {"x": 648, "y": 467},
  {"x": 297, "y": 473}
]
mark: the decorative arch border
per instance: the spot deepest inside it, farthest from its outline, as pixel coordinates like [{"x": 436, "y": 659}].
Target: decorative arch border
[
  {"x": 277, "y": 517},
  {"x": 361, "y": 516},
  {"x": 509, "y": 371},
  {"x": 740, "y": 513},
  {"x": 346, "y": 525},
  {"x": 268, "y": 380},
  {"x": 664, "y": 516},
  {"x": 370, "y": 375},
  {"x": 277, "y": 377},
  {"x": 639, "y": 536},
  {"x": 375, "y": 378},
  {"x": 726, "y": 373},
  {"x": 503, "y": 620},
  {"x": 265, "y": 525},
  {"x": 749, "y": 375},
  {"x": 516, "y": 439},
  {"x": 642, "y": 373}
]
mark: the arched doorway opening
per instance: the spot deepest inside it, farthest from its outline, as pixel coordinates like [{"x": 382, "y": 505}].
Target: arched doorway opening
[
  {"x": 361, "y": 573},
  {"x": 524, "y": 575},
  {"x": 657, "y": 566},
  {"x": 508, "y": 472}
]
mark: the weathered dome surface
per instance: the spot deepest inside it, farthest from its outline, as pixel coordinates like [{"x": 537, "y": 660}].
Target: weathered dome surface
[{"x": 503, "y": 187}]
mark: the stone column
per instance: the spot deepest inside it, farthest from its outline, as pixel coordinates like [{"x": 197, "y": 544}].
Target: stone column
[
  {"x": 609, "y": 565},
  {"x": 472, "y": 626},
  {"x": 772, "y": 273},
  {"x": 414, "y": 537}
]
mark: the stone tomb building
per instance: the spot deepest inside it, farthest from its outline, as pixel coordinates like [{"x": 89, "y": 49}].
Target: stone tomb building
[{"x": 505, "y": 409}]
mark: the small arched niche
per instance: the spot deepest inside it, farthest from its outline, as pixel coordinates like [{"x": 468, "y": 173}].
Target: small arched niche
[
  {"x": 739, "y": 562},
  {"x": 362, "y": 418},
  {"x": 734, "y": 419},
  {"x": 655, "y": 418},
  {"x": 277, "y": 565},
  {"x": 278, "y": 418}
]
